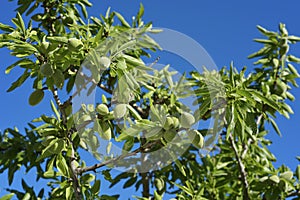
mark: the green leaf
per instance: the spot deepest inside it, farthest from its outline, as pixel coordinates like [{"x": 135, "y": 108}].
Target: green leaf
[
  {"x": 157, "y": 196},
  {"x": 180, "y": 167},
  {"x": 27, "y": 196},
  {"x": 52, "y": 174},
  {"x": 18, "y": 21},
  {"x": 133, "y": 61},
  {"x": 135, "y": 114},
  {"x": 122, "y": 20},
  {"x": 266, "y": 100},
  {"x": 261, "y": 52},
  {"x": 6, "y": 28},
  {"x": 128, "y": 145},
  {"x": 205, "y": 106},
  {"x": 265, "y": 31},
  {"x": 185, "y": 189},
  {"x": 106, "y": 133},
  {"x": 168, "y": 76},
  {"x": 264, "y": 41},
  {"x": 7, "y": 196},
  {"x": 23, "y": 49},
  {"x": 108, "y": 148},
  {"x": 293, "y": 70},
  {"x": 275, "y": 126},
  {"x": 247, "y": 94},
  {"x": 231, "y": 75},
  {"x": 62, "y": 165},
  {"x": 293, "y": 59},
  {"x": 58, "y": 39},
  {"x": 36, "y": 97},
  {"x": 24, "y": 61},
  {"x": 96, "y": 187},
  {"x": 141, "y": 12},
  {"x": 53, "y": 107},
  {"x": 58, "y": 78},
  {"x": 25, "y": 186},
  {"x": 19, "y": 81},
  {"x": 55, "y": 146},
  {"x": 298, "y": 172},
  {"x": 130, "y": 182},
  {"x": 83, "y": 10},
  {"x": 294, "y": 38}
]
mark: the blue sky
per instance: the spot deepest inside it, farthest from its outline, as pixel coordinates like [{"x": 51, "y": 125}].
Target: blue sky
[{"x": 226, "y": 30}]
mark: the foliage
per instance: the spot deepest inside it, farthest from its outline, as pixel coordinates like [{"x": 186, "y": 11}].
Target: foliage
[{"x": 141, "y": 110}]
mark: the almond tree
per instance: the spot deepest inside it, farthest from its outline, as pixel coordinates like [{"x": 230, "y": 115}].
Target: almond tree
[{"x": 140, "y": 109}]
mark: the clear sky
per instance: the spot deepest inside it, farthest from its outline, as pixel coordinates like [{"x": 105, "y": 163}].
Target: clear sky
[{"x": 226, "y": 30}]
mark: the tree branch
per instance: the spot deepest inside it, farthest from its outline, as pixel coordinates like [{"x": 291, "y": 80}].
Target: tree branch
[
  {"x": 246, "y": 147},
  {"x": 76, "y": 185},
  {"x": 241, "y": 168},
  {"x": 88, "y": 80},
  {"x": 113, "y": 160},
  {"x": 144, "y": 175}
]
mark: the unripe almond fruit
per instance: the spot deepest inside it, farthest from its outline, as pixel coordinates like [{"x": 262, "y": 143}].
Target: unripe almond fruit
[
  {"x": 196, "y": 138},
  {"x": 120, "y": 110},
  {"x": 187, "y": 120},
  {"x": 287, "y": 175},
  {"x": 175, "y": 122},
  {"x": 102, "y": 109},
  {"x": 159, "y": 183},
  {"x": 169, "y": 123},
  {"x": 104, "y": 62}
]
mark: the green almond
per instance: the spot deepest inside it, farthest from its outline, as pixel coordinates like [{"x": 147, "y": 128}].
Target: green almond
[
  {"x": 102, "y": 109},
  {"x": 287, "y": 175},
  {"x": 104, "y": 62},
  {"x": 169, "y": 123},
  {"x": 159, "y": 183},
  {"x": 175, "y": 122},
  {"x": 120, "y": 110},
  {"x": 196, "y": 138},
  {"x": 187, "y": 120}
]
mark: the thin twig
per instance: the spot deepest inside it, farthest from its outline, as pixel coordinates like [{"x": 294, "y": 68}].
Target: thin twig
[
  {"x": 74, "y": 174},
  {"x": 76, "y": 186},
  {"x": 114, "y": 160},
  {"x": 144, "y": 175},
  {"x": 241, "y": 168},
  {"x": 141, "y": 111},
  {"x": 246, "y": 147},
  {"x": 59, "y": 105},
  {"x": 89, "y": 80}
]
